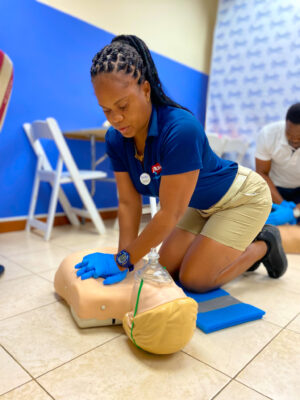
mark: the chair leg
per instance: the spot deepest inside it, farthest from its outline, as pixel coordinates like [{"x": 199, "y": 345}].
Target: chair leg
[
  {"x": 153, "y": 206},
  {"x": 90, "y": 205},
  {"x": 64, "y": 202},
  {"x": 53, "y": 200},
  {"x": 34, "y": 194},
  {"x": 97, "y": 220},
  {"x": 116, "y": 223}
]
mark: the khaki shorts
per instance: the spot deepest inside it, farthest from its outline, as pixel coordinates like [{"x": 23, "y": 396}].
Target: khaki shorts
[{"x": 238, "y": 217}]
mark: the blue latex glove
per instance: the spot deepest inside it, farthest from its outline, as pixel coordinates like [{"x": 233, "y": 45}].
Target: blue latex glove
[
  {"x": 281, "y": 215},
  {"x": 289, "y": 204},
  {"x": 102, "y": 265}
]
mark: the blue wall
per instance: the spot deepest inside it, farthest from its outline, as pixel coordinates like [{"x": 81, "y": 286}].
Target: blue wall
[{"x": 52, "y": 53}]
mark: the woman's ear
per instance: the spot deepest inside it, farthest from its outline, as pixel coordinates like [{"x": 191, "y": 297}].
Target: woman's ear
[{"x": 146, "y": 90}]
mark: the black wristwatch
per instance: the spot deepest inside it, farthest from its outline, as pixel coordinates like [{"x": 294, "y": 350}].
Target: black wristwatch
[{"x": 123, "y": 260}]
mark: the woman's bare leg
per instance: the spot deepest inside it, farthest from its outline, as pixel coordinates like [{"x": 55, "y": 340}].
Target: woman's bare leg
[
  {"x": 209, "y": 264},
  {"x": 202, "y": 263},
  {"x": 174, "y": 248}
]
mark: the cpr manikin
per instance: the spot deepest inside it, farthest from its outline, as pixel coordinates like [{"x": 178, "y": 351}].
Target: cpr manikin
[{"x": 157, "y": 315}]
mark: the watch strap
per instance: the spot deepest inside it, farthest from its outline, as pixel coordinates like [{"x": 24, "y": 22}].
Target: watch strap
[{"x": 128, "y": 264}]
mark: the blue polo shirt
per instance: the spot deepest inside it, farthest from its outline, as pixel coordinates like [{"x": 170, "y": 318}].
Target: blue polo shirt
[{"x": 176, "y": 143}]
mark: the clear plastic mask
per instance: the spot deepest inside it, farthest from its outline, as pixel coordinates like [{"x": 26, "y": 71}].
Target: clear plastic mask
[
  {"x": 153, "y": 271},
  {"x": 156, "y": 280}
]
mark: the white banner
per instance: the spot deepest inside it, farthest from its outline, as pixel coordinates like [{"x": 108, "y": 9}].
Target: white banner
[{"x": 255, "y": 70}]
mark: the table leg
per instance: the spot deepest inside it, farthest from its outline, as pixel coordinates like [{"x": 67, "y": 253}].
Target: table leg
[{"x": 93, "y": 163}]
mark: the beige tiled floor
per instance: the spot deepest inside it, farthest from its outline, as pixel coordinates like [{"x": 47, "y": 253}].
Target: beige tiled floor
[{"x": 44, "y": 355}]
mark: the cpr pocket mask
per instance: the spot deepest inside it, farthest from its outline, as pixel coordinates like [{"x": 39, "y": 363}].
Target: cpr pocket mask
[{"x": 157, "y": 315}]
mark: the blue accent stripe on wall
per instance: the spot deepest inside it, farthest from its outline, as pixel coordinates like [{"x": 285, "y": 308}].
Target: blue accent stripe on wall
[{"x": 52, "y": 53}]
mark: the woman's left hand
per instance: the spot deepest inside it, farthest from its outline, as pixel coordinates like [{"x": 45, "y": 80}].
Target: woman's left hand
[{"x": 100, "y": 265}]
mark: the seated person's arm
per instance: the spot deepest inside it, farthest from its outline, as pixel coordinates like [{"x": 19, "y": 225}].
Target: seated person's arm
[
  {"x": 263, "y": 169},
  {"x": 129, "y": 210},
  {"x": 175, "y": 194}
]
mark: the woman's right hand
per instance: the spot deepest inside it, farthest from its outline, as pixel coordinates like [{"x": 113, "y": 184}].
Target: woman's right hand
[{"x": 100, "y": 265}]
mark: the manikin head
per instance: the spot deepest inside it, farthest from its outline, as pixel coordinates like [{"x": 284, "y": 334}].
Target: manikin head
[{"x": 292, "y": 127}]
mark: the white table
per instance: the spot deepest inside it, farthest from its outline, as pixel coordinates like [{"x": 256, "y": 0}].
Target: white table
[{"x": 93, "y": 135}]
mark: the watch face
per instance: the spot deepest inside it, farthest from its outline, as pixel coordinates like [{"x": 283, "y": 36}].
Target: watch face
[{"x": 123, "y": 258}]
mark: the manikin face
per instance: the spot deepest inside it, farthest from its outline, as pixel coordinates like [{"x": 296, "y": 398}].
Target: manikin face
[
  {"x": 292, "y": 132},
  {"x": 126, "y": 105}
]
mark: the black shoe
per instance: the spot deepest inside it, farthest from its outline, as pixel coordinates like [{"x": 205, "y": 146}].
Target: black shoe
[
  {"x": 254, "y": 266},
  {"x": 1, "y": 269},
  {"x": 275, "y": 259}
]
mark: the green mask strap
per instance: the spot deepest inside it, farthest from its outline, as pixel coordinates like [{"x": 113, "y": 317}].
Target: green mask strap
[{"x": 135, "y": 311}]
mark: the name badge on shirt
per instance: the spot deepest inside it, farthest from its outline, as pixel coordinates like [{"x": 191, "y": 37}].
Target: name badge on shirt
[{"x": 145, "y": 178}]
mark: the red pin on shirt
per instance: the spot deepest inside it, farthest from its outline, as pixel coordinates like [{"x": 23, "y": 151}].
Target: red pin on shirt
[{"x": 156, "y": 169}]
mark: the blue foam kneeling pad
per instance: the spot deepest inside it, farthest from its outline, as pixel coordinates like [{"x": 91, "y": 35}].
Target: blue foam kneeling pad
[{"x": 217, "y": 310}]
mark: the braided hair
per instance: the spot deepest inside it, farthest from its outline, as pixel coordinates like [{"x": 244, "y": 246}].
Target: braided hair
[{"x": 129, "y": 54}]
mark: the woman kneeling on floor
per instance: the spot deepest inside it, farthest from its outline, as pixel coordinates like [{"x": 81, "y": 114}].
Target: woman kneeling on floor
[{"x": 212, "y": 211}]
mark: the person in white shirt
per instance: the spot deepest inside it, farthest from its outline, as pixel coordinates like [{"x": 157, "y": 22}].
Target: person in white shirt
[{"x": 278, "y": 162}]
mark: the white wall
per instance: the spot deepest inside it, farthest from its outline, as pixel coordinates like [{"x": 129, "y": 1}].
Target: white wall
[{"x": 179, "y": 29}]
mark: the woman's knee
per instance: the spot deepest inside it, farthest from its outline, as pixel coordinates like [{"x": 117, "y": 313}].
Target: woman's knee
[
  {"x": 174, "y": 248},
  {"x": 198, "y": 283},
  {"x": 167, "y": 254}
]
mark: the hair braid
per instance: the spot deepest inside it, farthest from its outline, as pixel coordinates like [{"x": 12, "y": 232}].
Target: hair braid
[
  {"x": 118, "y": 57},
  {"x": 130, "y": 54}
]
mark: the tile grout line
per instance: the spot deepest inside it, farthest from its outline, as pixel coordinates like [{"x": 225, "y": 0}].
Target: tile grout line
[
  {"x": 221, "y": 390},
  {"x": 234, "y": 377},
  {"x": 26, "y": 269},
  {"x": 42, "y": 277},
  {"x": 45, "y": 390},
  {"x": 82, "y": 354},
  {"x": 24, "y": 276},
  {"x": 205, "y": 363},
  {"x": 4, "y": 348},
  {"x": 28, "y": 311},
  {"x": 289, "y": 329},
  {"x": 35, "y": 379},
  {"x": 33, "y": 252},
  {"x": 27, "y": 372},
  {"x": 262, "y": 349},
  {"x": 245, "y": 366},
  {"x": 30, "y": 274},
  {"x": 30, "y": 252},
  {"x": 240, "y": 383},
  {"x": 23, "y": 384},
  {"x": 42, "y": 272},
  {"x": 27, "y": 252},
  {"x": 231, "y": 379},
  {"x": 224, "y": 373},
  {"x": 285, "y": 326}
]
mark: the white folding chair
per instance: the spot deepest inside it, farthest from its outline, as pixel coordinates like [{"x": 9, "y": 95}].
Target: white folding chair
[
  {"x": 49, "y": 129},
  {"x": 238, "y": 146},
  {"x": 153, "y": 206},
  {"x": 217, "y": 143}
]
